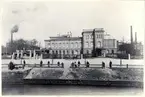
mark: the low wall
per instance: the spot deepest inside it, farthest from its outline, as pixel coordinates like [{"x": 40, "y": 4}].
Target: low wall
[{"x": 84, "y": 82}]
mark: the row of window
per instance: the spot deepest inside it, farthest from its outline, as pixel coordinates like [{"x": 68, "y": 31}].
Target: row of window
[
  {"x": 65, "y": 45},
  {"x": 66, "y": 52},
  {"x": 91, "y": 36},
  {"x": 99, "y": 36},
  {"x": 89, "y": 44}
]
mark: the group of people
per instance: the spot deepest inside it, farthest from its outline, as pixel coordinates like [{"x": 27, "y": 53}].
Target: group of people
[
  {"x": 62, "y": 64},
  {"x": 12, "y": 66},
  {"x": 73, "y": 64},
  {"x": 48, "y": 63},
  {"x": 110, "y": 64}
]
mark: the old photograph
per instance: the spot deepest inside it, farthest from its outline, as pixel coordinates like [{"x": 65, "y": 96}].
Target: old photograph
[{"x": 91, "y": 47}]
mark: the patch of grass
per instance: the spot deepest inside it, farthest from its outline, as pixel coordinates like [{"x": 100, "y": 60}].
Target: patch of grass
[
  {"x": 47, "y": 74},
  {"x": 108, "y": 74}
]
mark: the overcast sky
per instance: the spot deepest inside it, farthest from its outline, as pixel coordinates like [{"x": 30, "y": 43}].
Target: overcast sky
[{"x": 40, "y": 20}]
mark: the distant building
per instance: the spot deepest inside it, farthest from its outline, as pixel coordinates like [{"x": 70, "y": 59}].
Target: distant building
[
  {"x": 92, "y": 43},
  {"x": 97, "y": 43},
  {"x": 134, "y": 48},
  {"x": 64, "y": 46}
]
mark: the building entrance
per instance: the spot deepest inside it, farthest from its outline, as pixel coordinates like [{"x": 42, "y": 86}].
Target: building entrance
[{"x": 98, "y": 52}]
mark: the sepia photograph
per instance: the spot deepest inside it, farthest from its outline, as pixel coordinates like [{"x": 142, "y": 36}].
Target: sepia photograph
[{"x": 74, "y": 47}]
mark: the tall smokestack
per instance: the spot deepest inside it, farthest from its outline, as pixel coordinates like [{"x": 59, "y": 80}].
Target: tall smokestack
[
  {"x": 131, "y": 37},
  {"x": 135, "y": 37}
]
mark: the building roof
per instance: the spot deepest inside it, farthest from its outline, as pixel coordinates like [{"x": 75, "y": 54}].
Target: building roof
[
  {"x": 91, "y": 30},
  {"x": 64, "y": 39},
  {"x": 88, "y": 30}
]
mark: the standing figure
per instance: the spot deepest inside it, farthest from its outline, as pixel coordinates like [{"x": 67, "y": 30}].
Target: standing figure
[
  {"x": 11, "y": 65},
  {"x": 62, "y": 64},
  {"x": 103, "y": 65},
  {"x": 24, "y": 63},
  {"x": 110, "y": 64},
  {"x": 79, "y": 63},
  {"x": 75, "y": 65},
  {"x": 41, "y": 62},
  {"x": 87, "y": 64},
  {"x": 48, "y": 63},
  {"x": 58, "y": 63}
]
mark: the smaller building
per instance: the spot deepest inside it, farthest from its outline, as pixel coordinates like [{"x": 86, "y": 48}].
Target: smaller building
[{"x": 63, "y": 46}]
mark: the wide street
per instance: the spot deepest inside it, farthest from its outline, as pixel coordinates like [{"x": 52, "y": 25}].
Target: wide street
[{"x": 67, "y": 62}]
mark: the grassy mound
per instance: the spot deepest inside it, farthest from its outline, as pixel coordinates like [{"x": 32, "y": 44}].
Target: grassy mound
[
  {"x": 107, "y": 74},
  {"x": 45, "y": 73}
]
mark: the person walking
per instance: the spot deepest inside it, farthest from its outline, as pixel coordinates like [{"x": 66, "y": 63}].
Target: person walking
[{"x": 24, "y": 63}]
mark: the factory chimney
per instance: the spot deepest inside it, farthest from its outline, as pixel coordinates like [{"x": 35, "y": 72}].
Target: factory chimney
[{"x": 131, "y": 37}]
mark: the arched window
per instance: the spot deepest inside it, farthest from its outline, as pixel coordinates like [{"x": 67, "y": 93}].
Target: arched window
[
  {"x": 91, "y": 36},
  {"x": 52, "y": 52},
  {"x": 99, "y": 44},
  {"x": 60, "y": 52},
  {"x": 107, "y": 51},
  {"x": 76, "y": 51},
  {"x": 60, "y": 45},
  {"x": 67, "y": 52},
  {"x": 91, "y": 45},
  {"x": 87, "y": 44},
  {"x": 87, "y": 51},
  {"x": 64, "y": 45},
  {"x": 63, "y": 51},
  {"x": 56, "y": 52},
  {"x": 67, "y": 45}
]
